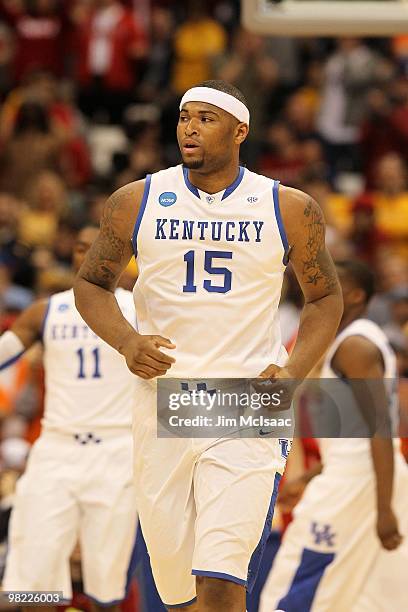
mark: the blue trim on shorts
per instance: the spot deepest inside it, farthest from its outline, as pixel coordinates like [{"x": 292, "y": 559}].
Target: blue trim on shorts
[
  {"x": 281, "y": 227},
  {"x": 133, "y": 561},
  {"x": 182, "y": 605},
  {"x": 256, "y": 558},
  {"x": 219, "y": 575},
  {"x": 44, "y": 321},
  {"x": 141, "y": 212},
  {"x": 308, "y": 575},
  {"x": 10, "y": 362}
]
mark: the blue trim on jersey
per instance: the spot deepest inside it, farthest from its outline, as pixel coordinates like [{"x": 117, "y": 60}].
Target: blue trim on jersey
[
  {"x": 141, "y": 212},
  {"x": 227, "y": 192},
  {"x": 220, "y": 575},
  {"x": 189, "y": 184},
  {"x": 235, "y": 184},
  {"x": 10, "y": 362},
  {"x": 310, "y": 571},
  {"x": 182, "y": 605},
  {"x": 47, "y": 310},
  {"x": 275, "y": 194},
  {"x": 256, "y": 557}
]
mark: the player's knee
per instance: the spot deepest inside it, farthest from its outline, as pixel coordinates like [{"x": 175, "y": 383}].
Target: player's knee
[{"x": 217, "y": 594}]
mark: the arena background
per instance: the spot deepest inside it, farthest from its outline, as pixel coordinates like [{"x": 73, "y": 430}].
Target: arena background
[{"x": 87, "y": 106}]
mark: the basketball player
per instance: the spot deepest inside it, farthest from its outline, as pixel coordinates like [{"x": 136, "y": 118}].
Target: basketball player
[
  {"x": 78, "y": 481},
  {"x": 212, "y": 240},
  {"x": 335, "y": 555}
]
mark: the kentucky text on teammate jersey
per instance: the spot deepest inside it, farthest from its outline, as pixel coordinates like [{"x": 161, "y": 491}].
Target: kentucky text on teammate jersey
[
  {"x": 63, "y": 331},
  {"x": 231, "y": 231}
]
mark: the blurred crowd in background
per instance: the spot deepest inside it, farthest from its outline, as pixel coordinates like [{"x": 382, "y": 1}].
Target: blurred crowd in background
[{"x": 89, "y": 93}]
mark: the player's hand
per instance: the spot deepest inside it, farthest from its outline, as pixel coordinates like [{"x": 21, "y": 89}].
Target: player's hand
[
  {"x": 276, "y": 379},
  {"x": 387, "y": 529},
  {"x": 144, "y": 358},
  {"x": 274, "y": 371},
  {"x": 290, "y": 493}
]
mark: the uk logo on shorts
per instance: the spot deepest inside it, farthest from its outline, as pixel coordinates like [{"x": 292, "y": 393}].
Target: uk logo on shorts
[
  {"x": 167, "y": 198},
  {"x": 63, "y": 307},
  {"x": 322, "y": 533}
]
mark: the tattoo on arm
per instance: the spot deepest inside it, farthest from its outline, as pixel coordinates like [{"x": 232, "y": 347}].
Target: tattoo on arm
[
  {"x": 104, "y": 258},
  {"x": 317, "y": 265}
]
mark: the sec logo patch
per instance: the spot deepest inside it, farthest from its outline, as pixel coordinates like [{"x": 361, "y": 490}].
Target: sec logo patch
[{"x": 168, "y": 198}]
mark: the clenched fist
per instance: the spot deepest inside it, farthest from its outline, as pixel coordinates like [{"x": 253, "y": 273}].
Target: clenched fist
[{"x": 143, "y": 356}]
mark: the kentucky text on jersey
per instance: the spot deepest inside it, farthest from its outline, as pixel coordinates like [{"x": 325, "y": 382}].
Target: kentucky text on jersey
[
  {"x": 231, "y": 231},
  {"x": 62, "y": 331}
]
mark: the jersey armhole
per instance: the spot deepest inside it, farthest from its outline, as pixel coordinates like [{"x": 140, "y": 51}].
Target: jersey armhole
[
  {"x": 339, "y": 374},
  {"x": 44, "y": 321},
  {"x": 279, "y": 220},
  {"x": 141, "y": 212}
]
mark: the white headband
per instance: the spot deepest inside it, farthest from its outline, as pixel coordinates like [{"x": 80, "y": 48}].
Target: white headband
[{"x": 218, "y": 98}]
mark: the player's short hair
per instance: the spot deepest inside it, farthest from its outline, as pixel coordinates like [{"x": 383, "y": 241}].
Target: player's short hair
[
  {"x": 361, "y": 275},
  {"x": 225, "y": 87}
]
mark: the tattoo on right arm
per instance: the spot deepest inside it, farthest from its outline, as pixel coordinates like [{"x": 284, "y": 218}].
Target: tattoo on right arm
[{"x": 103, "y": 263}]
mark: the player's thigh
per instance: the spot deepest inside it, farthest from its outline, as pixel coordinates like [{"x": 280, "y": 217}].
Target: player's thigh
[
  {"x": 43, "y": 524},
  {"x": 108, "y": 517},
  {"x": 165, "y": 500},
  {"x": 163, "y": 476},
  {"x": 235, "y": 487},
  {"x": 107, "y": 540}
]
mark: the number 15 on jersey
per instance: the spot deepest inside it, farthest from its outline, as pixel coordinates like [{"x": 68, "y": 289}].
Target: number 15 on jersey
[{"x": 208, "y": 284}]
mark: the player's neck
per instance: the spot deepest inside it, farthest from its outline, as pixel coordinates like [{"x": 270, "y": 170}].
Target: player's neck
[
  {"x": 351, "y": 316},
  {"x": 215, "y": 181}
]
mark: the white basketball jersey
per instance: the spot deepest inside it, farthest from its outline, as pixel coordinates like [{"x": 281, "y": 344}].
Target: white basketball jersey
[
  {"x": 210, "y": 273},
  {"x": 356, "y": 451},
  {"x": 88, "y": 385}
]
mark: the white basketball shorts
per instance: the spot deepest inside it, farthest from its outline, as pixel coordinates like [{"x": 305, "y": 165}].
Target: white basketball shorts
[
  {"x": 74, "y": 489},
  {"x": 331, "y": 559},
  {"x": 205, "y": 505}
]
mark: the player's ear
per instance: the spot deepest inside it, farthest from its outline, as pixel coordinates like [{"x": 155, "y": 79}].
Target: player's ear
[
  {"x": 357, "y": 296},
  {"x": 241, "y": 132}
]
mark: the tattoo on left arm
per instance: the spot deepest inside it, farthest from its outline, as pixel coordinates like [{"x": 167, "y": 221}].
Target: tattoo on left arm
[{"x": 316, "y": 263}]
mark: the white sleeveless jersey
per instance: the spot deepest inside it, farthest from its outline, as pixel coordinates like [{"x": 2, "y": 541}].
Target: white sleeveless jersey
[
  {"x": 88, "y": 385},
  {"x": 210, "y": 273},
  {"x": 352, "y": 450}
]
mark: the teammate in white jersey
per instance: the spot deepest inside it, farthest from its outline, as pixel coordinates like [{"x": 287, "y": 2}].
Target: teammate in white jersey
[
  {"x": 343, "y": 550},
  {"x": 78, "y": 483},
  {"x": 212, "y": 240}
]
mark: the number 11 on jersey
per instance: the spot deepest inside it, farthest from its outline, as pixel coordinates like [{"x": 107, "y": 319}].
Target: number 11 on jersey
[
  {"x": 189, "y": 258},
  {"x": 95, "y": 361}
]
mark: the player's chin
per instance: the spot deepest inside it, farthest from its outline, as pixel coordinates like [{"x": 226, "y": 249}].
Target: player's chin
[{"x": 193, "y": 163}]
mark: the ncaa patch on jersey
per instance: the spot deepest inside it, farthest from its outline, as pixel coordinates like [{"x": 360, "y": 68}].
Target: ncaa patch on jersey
[
  {"x": 167, "y": 198},
  {"x": 252, "y": 199},
  {"x": 63, "y": 307}
]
